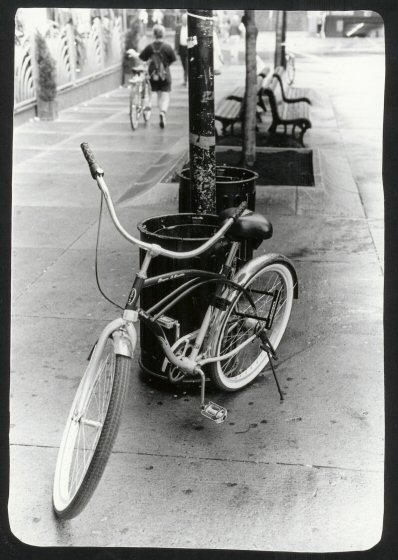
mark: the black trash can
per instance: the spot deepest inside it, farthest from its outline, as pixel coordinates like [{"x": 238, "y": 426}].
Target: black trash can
[
  {"x": 233, "y": 186},
  {"x": 177, "y": 232}
]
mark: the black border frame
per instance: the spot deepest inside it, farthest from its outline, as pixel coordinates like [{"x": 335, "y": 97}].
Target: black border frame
[{"x": 387, "y": 548}]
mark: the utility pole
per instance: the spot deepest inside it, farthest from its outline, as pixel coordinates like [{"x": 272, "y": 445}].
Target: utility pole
[
  {"x": 280, "y": 39},
  {"x": 202, "y": 140}
]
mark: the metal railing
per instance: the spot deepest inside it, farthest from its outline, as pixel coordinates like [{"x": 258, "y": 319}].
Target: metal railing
[
  {"x": 78, "y": 57},
  {"x": 24, "y": 86}
]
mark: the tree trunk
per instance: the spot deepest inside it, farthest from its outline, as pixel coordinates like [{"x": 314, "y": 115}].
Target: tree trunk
[
  {"x": 202, "y": 141},
  {"x": 280, "y": 39},
  {"x": 249, "y": 122}
]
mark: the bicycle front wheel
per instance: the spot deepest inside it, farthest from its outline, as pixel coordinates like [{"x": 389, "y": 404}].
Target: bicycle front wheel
[
  {"x": 90, "y": 432},
  {"x": 147, "y": 104},
  {"x": 271, "y": 285},
  {"x": 135, "y": 108}
]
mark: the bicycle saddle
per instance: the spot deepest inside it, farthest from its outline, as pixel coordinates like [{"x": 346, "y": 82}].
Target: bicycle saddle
[{"x": 249, "y": 225}]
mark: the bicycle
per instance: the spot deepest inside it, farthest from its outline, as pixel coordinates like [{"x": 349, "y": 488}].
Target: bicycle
[
  {"x": 240, "y": 332},
  {"x": 140, "y": 96},
  {"x": 290, "y": 67}
]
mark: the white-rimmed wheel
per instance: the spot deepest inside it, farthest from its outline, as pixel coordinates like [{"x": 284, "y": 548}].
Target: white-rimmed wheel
[
  {"x": 146, "y": 102},
  {"x": 290, "y": 69},
  {"x": 271, "y": 285},
  {"x": 90, "y": 432},
  {"x": 135, "y": 106}
]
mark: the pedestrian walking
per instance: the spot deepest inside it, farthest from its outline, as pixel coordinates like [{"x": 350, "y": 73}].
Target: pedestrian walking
[
  {"x": 157, "y": 17},
  {"x": 160, "y": 55},
  {"x": 225, "y": 26},
  {"x": 143, "y": 16},
  {"x": 131, "y": 43},
  {"x": 235, "y": 32},
  {"x": 180, "y": 45},
  {"x": 217, "y": 54}
]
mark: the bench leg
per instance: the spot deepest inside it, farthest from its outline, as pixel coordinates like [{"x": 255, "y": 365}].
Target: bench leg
[{"x": 301, "y": 136}]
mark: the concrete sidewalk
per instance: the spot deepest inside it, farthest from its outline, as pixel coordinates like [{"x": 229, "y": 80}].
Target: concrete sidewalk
[{"x": 303, "y": 475}]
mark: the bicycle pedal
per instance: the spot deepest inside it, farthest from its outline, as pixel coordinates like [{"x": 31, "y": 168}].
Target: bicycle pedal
[{"x": 214, "y": 412}]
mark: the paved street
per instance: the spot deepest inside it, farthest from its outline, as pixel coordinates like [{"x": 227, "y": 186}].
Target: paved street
[{"x": 302, "y": 475}]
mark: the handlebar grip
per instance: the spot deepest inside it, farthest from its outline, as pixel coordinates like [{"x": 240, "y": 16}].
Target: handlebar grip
[
  {"x": 95, "y": 169},
  {"x": 239, "y": 211}
]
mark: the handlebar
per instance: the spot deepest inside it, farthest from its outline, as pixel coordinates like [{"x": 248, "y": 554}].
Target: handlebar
[
  {"x": 97, "y": 173},
  {"x": 95, "y": 169}
]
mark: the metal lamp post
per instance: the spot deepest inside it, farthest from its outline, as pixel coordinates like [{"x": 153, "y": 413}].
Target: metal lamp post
[{"x": 202, "y": 139}]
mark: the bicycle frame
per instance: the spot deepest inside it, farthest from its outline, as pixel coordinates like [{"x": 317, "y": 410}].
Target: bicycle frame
[
  {"x": 132, "y": 313},
  {"x": 139, "y": 82}
]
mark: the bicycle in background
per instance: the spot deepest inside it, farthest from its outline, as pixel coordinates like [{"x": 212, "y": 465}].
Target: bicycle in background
[
  {"x": 290, "y": 67},
  {"x": 140, "y": 92}
]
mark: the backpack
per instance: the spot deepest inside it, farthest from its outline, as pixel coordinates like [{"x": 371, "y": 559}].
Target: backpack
[{"x": 157, "y": 69}]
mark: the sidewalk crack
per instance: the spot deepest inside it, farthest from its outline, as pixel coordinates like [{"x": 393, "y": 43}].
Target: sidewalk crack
[{"x": 220, "y": 459}]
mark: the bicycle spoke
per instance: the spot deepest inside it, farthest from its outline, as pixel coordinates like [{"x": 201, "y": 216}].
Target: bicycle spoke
[
  {"x": 92, "y": 419},
  {"x": 238, "y": 329}
]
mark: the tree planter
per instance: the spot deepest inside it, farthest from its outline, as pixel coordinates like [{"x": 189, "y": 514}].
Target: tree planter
[
  {"x": 233, "y": 186},
  {"x": 276, "y": 166},
  {"x": 45, "y": 77},
  {"x": 47, "y": 110}
]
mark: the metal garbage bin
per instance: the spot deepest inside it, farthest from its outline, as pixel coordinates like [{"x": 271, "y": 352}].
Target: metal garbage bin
[
  {"x": 233, "y": 186},
  {"x": 177, "y": 232}
]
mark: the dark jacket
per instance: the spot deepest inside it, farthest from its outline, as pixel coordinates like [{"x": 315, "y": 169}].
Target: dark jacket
[{"x": 167, "y": 54}]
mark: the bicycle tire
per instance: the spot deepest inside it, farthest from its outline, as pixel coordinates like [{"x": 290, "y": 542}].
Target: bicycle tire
[
  {"x": 67, "y": 502},
  {"x": 290, "y": 70},
  {"x": 232, "y": 329},
  {"x": 146, "y": 112},
  {"x": 135, "y": 104}
]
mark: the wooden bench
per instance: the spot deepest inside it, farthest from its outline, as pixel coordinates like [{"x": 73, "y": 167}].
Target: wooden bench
[
  {"x": 239, "y": 92},
  {"x": 290, "y": 93},
  {"x": 228, "y": 112},
  {"x": 291, "y": 114},
  {"x": 230, "y": 109}
]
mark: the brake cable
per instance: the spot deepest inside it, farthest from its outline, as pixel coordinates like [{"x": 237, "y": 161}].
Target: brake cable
[{"x": 96, "y": 257}]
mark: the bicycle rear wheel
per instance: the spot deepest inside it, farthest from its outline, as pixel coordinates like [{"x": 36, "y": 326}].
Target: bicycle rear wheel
[
  {"x": 90, "y": 432},
  {"x": 271, "y": 285}
]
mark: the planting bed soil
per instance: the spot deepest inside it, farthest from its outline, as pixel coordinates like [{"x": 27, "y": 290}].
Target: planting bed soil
[{"x": 275, "y": 166}]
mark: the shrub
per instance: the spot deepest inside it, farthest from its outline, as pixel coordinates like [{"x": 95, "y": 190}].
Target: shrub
[{"x": 47, "y": 72}]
